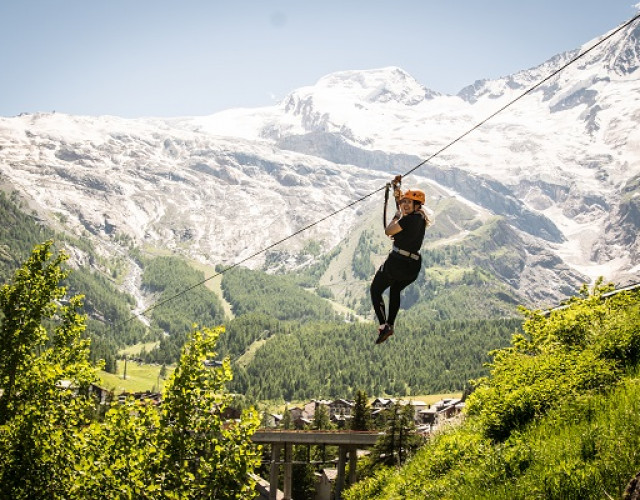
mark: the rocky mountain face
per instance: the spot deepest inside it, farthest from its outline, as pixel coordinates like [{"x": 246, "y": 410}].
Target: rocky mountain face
[
  {"x": 213, "y": 199},
  {"x": 560, "y": 168}
]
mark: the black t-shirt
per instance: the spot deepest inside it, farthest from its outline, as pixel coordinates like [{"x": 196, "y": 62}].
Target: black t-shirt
[{"x": 412, "y": 234}]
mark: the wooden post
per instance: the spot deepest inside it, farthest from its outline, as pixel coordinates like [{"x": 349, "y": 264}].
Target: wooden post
[
  {"x": 288, "y": 471},
  {"x": 353, "y": 464},
  {"x": 273, "y": 478},
  {"x": 342, "y": 462}
]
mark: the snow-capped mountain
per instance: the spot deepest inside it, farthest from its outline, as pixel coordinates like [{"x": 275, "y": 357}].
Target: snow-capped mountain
[
  {"x": 217, "y": 199},
  {"x": 562, "y": 165}
]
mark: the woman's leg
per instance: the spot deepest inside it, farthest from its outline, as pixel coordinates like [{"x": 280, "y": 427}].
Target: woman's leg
[
  {"x": 394, "y": 299},
  {"x": 379, "y": 284}
]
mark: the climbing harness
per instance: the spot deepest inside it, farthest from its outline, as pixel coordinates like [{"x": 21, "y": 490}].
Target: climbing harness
[{"x": 395, "y": 183}]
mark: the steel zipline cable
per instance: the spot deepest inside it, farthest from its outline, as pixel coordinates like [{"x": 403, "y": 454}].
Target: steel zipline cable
[
  {"x": 526, "y": 92},
  {"x": 410, "y": 171}
]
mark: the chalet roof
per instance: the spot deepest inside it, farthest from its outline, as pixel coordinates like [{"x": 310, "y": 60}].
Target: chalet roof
[
  {"x": 344, "y": 402},
  {"x": 405, "y": 402},
  {"x": 341, "y": 417},
  {"x": 382, "y": 401}
]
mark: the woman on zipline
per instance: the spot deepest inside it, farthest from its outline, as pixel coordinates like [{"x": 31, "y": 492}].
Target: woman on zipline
[{"x": 403, "y": 263}]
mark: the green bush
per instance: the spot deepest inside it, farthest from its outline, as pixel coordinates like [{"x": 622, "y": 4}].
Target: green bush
[
  {"x": 560, "y": 355},
  {"x": 556, "y": 418}
]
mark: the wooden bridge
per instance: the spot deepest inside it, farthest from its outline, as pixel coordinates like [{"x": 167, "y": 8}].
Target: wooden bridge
[{"x": 348, "y": 442}]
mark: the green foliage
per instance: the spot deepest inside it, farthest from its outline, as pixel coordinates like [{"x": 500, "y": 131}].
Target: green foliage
[
  {"x": 115, "y": 458},
  {"x": 308, "y": 276},
  {"x": 421, "y": 358},
  {"x": 203, "y": 456},
  {"x": 304, "y": 485},
  {"x": 558, "y": 356},
  {"x": 556, "y": 418},
  {"x": 321, "y": 420},
  {"x": 361, "y": 419},
  {"x": 399, "y": 440},
  {"x": 524, "y": 387},
  {"x": 19, "y": 233},
  {"x": 186, "y": 451},
  {"x": 175, "y": 312},
  {"x": 52, "y": 448},
  {"x": 45, "y": 373},
  {"x": 581, "y": 449},
  {"x": 105, "y": 306},
  {"x": 443, "y": 293},
  {"x": 361, "y": 264},
  {"x": 277, "y": 296},
  {"x": 243, "y": 330}
]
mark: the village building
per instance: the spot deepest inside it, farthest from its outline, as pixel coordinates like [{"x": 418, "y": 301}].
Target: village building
[{"x": 341, "y": 407}]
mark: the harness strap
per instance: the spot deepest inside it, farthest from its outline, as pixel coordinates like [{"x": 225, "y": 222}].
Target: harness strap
[
  {"x": 386, "y": 201},
  {"x": 396, "y": 184},
  {"x": 414, "y": 256}
]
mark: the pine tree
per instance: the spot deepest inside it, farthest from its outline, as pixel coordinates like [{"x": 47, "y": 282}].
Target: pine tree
[
  {"x": 286, "y": 419},
  {"x": 399, "y": 440},
  {"x": 361, "y": 420},
  {"x": 304, "y": 486},
  {"x": 321, "y": 419}
]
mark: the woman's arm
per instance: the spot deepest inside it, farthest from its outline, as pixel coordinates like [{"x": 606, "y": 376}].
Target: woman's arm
[{"x": 393, "y": 227}]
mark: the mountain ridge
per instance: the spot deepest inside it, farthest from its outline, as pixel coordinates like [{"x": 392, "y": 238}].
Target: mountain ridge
[{"x": 219, "y": 188}]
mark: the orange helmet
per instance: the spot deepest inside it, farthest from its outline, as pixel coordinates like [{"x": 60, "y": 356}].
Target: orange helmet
[{"x": 415, "y": 195}]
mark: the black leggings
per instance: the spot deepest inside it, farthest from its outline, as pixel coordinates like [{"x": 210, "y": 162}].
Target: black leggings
[{"x": 384, "y": 279}]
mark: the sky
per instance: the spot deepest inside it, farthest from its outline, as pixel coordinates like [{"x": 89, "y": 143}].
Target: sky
[{"x": 161, "y": 58}]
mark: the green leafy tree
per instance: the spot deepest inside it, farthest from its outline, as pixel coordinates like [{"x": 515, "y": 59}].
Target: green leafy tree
[
  {"x": 45, "y": 373},
  {"x": 51, "y": 447},
  {"x": 556, "y": 358},
  {"x": 203, "y": 455},
  {"x": 116, "y": 458},
  {"x": 286, "y": 419},
  {"x": 361, "y": 420},
  {"x": 188, "y": 450}
]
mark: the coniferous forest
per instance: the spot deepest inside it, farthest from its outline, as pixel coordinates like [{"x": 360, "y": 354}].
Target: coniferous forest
[{"x": 283, "y": 332}]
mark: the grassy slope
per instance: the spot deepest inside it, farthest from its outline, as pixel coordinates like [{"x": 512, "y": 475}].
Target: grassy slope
[
  {"x": 582, "y": 450},
  {"x": 140, "y": 378},
  {"x": 215, "y": 285},
  {"x": 567, "y": 439}
]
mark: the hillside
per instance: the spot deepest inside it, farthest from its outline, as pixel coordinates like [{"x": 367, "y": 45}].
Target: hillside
[
  {"x": 555, "y": 418},
  {"x": 97, "y": 278},
  {"x": 284, "y": 331}
]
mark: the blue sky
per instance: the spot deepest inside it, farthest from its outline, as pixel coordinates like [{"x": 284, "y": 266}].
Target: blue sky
[{"x": 136, "y": 58}]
